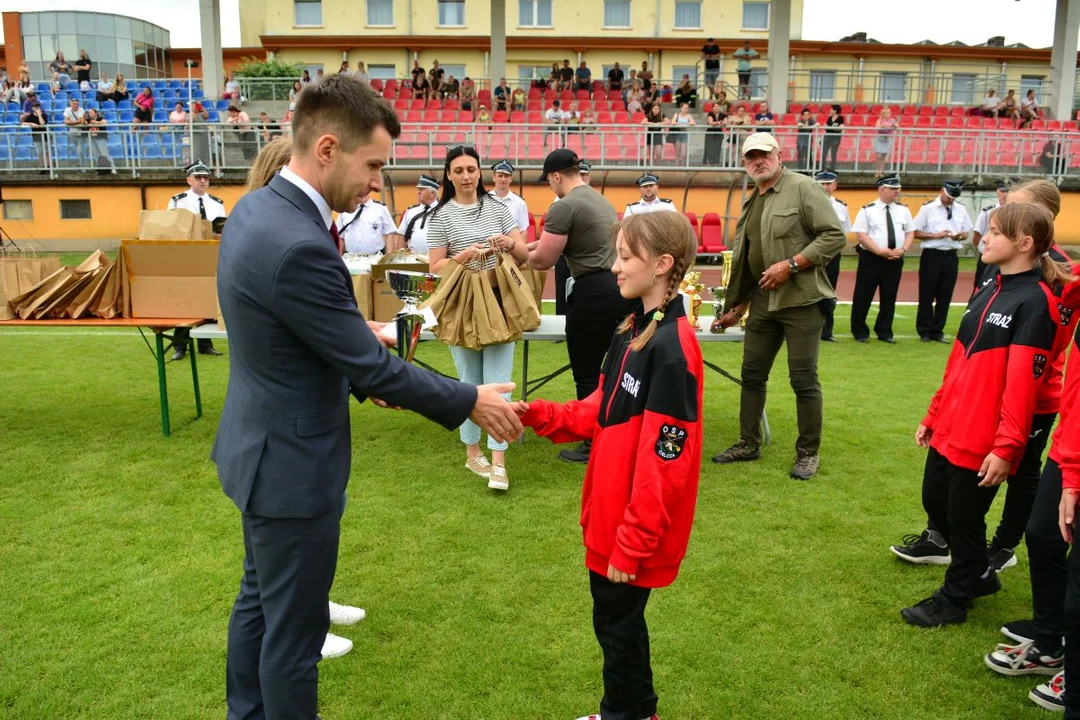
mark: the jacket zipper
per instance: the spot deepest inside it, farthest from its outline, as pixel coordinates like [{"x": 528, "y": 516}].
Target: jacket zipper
[
  {"x": 982, "y": 317},
  {"x": 618, "y": 379}
]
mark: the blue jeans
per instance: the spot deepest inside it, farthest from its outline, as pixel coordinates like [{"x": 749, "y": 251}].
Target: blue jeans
[{"x": 493, "y": 364}]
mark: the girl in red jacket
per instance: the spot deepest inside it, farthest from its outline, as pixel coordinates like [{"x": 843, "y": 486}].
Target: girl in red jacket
[
  {"x": 644, "y": 420},
  {"x": 980, "y": 418}
]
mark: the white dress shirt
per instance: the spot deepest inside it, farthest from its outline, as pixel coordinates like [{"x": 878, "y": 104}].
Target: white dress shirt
[
  {"x": 871, "y": 221},
  {"x": 213, "y": 207},
  {"x": 982, "y": 224},
  {"x": 418, "y": 240},
  {"x": 641, "y": 206},
  {"x": 364, "y": 231},
  {"x": 320, "y": 202},
  {"x": 517, "y": 207},
  {"x": 842, "y": 213},
  {"x": 933, "y": 217}
]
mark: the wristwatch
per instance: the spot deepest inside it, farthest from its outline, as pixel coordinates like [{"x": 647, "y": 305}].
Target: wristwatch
[{"x": 793, "y": 265}]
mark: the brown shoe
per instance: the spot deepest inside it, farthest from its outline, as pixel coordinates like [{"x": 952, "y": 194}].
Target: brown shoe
[
  {"x": 739, "y": 452},
  {"x": 805, "y": 467},
  {"x": 479, "y": 465}
]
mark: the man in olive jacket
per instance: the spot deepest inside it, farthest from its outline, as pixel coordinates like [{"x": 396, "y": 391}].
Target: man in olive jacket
[{"x": 786, "y": 235}]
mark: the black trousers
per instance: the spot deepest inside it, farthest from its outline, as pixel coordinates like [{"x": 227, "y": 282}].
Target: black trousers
[
  {"x": 937, "y": 278},
  {"x": 829, "y": 146},
  {"x": 1047, "y": 561},
  {"x": 593, "y": 312},
  {"x": 875, "y": 275},
  {"x": 957, "y": 506},
  {"x": 281, "y": 616},
  {"x": 1072, "y": 630},
  {"x": 832, "y": 271},
  {"x": 181, "y": 337},
  {"x": 802, "y": 152},
  {"x": 562, "y": 274},
  {"x": 619, "y": 622}
]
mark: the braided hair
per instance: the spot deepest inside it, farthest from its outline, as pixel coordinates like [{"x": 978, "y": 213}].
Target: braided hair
[
  {"x": 650, "y": 235},
  {"x": 1015, "y": 220}
]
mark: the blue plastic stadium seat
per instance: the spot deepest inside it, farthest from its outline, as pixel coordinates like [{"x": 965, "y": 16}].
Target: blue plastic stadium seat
[
  {"x": 175, "y": 84},
  {"x": 24, "y": 140},
  {"x": 26, "y": 153},
  {"x": 151, "y": 152},
  {"x": 11, "y": 118},
  {"x": 159, "y": 103},
  {"x": 108, "y": 105},
  {"x": 123, "y": 105},
  {"x": 5, "y": 153},
  {"x": 91, "y": 104},
  {"x": 167, "y": 138},
  {"x": 127, "y": 116},
  {"x": 110, "y": 115},
  {"x": 212, "y": 116},
  {"x": 222, "y": 104},
  {"x": 160, "y": 116},
  {"x": 42, "y": 87},
  {"x": 14, "y": 107},
  {"x": 116, "y": 152},
  {"x": 72, "y": 86}
]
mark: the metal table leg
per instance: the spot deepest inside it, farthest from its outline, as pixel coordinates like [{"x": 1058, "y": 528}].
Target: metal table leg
[
  {"x": 163, "y": 389},
  {"x": 195, "y": 378},
  {"x": 524, "y": 377}
]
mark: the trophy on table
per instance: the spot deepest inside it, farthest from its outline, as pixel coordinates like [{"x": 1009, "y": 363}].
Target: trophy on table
[
  {"x": 690, "y": 288},
  {"x": 720, "y": 292},
  {"x": 412, "y": 288}
]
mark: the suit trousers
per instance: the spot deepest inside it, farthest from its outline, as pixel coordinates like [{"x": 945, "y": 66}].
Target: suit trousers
[
  {"x": 832, "y": 271},
  {"x": 593, "y": 313},
  {"x": 875, "y": 275},
  {"x": 619, "y": 623},
  {"x": 766, "y": 331},
  {"x": 281, "y": 616},
  {"x": 1047, "y": 561},
  {"x": 937, "y": 278},
  {"x": 957, "y": 506}
]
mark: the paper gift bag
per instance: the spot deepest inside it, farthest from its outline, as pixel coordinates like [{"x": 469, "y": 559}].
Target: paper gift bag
[
  {"x": 111, "y": 301},
  {"x": 173, "y": 225},
  {"x": 535, "y": 279},
  {"x": 19, "y": 272},
  {"x": 81, "y": 303},
  {"x": 61, "y": 300},
  {"x": 491, "y": 328},
  {"x": 448, "y": 301},
  {"x": 27, "y": 305},
  {"x": 519, "y": 308}
]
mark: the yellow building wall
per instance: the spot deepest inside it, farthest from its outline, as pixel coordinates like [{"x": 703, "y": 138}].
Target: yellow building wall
[
  {"x": 425, "y": 18},
  {"x": 400, "y": 58},
  {"x": 329, "y": 59}
]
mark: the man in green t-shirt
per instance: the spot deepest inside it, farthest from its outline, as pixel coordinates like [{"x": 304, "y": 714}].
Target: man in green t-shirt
[{"x": 743, "y": 66}]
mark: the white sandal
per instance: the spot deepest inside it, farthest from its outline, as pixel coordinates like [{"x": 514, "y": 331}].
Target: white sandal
[
  {"x": 498, "y": 480},
  {"x": 479, "y": 465}
]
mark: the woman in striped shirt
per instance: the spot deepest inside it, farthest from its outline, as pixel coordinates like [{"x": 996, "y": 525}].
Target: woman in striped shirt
[{"x": 464, "y": 228}]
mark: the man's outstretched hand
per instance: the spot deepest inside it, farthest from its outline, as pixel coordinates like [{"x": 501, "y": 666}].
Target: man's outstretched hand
[{"x": 495, "y": 414}]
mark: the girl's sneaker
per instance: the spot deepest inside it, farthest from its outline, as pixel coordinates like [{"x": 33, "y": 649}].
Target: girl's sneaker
[
  {"x": 1051, "y": 695},
  {"x": 1024, "y": 659}
]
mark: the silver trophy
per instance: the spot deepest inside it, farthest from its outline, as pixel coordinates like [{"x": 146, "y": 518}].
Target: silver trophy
[{"x": 412, "y": 288}]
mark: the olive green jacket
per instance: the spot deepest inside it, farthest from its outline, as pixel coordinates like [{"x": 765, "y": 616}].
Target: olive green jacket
[{"x": 798, "y": 218}]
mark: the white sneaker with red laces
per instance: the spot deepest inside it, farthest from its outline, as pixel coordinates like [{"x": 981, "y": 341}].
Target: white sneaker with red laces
[{"x": 1051, "y": 695}]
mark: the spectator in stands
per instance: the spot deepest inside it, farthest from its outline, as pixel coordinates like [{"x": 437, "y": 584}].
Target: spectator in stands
[
  {"x": 99, "y": 140},
  {"x": 344, "y": 69},
  {"x": 615, "y": 78},
  {"x": 1048, "y": 157},
  {"x": 319, "y": 75},
  {"x": 645, "y": 75},
  {"x": 28, "y": 103},
  {"x": 686, "y": 92},
  {"x": 629, "y": 82},
  {"x": 722, "y": 104},
  {"x": 61, "y": 68},
  {"x": 833, "y": 130},
  {"x": 12, "y": 93},
  {"x": 435, "y": 77},
  {"x": 305, "y": 79},
  {"x": 555, "y": 115},
  {"x": 178, "y": 116},
  {"x": 56, "y": 85},
  {"x": 105, "y": 88},
  {"x": 199, "y": 114},
  {"x": 24, "y": 74},
  {"x": 744, "y": 66},
  {"x": 144, "y": 105},
  {"x": 468, "y": 94},
  {"x": 297, "y": 87},
  {"x": 573, "y": 114},
  {"x": 241, "y": 125},
  {"x": 635, "y": 99},
  {"x": 654, "y": 133},
  {"x": 38, "y": 122},
  {"x": 588, "y": 117},
  {"x": 286, "y": 122},
  {"x": 764, "y": 120},
  {"x": 584, "y": 77},
  {"x": 421, "y": 88},
  {"x": 710, "y": 53},
  {"x": 1009, "y": 107},
  {"x": 502, "y": 95},
  {"x": 417, "y": 72},
  {"x": 120, "y": 91},
  {"x": 739, "y": 123},
  {"x": 678, "y": 134},
  {"x": 232, "y": 88},
  {"x": 451, "y": 88},
  {"x": 268, "y": 127},
  {"x": 82, "y": 70},
  {"x": 566, "y": 76},
  {"x": 990, "y": 104},
  {"x": 803, "y": 140},
  {"x": 714, "y": 136},
  {"x": 883, "y": 139},
  {"x": 482, "y": 115},
  {"x": 1029, "y": 109},
  {"x": 361, "y": 73},
  {"x": 518, "y": 100},
  {"x": 75, "y": 122}
]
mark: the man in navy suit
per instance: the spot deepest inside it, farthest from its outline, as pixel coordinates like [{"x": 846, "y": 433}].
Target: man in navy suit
[{"x": 298, "y": 347}]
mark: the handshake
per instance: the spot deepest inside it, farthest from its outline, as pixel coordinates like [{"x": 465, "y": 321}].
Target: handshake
[{"x": 500, "y": 417}]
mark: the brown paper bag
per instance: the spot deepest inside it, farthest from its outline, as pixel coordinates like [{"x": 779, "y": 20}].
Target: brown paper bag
[
  {"x": 535, "y": 279},
  {"x": 109, "y": 303},
  {"x": 448, "y": 301},
  {"x": 80, "y": 304},
  {"x": 519, "y": 307},
  {"x": 27, "y": 305},
  {"x": 491, "y": 328},
  {"x": 173, "y": 225},
  {"x": 19, "y": 272},
  {"x": 58, "y": 305},
  {"x": 466, "y": 317}
]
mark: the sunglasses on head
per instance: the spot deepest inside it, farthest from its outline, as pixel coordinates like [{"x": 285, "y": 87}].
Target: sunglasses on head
[{"x": 461, "y": 147}]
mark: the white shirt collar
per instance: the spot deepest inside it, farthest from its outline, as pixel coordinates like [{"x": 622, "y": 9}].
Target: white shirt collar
[{"x": 305, "y": 186}]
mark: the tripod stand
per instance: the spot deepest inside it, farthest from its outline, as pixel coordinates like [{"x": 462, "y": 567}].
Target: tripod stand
[{"x": 6, "y": 241}]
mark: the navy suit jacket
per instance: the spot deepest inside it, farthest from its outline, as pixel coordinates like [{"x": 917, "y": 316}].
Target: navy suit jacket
[{"x": 297, "y": 346}]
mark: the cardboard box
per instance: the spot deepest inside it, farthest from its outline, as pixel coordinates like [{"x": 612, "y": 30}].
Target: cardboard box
[
  {"x": 385, "y": 304},
  {"x": 172, "y": 279},
  {"x": 362, "y": 289}
]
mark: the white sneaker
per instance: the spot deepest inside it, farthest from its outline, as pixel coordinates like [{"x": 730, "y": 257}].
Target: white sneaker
[
  {"x": 1050, "y": 696},
  {"x": 334, "y": 646},
  {"x": 498, "y": 480},
  {"x": 345, "y": 614}
]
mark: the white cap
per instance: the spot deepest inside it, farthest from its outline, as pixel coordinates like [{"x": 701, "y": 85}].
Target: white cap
[{"x": 760, "y": 141}]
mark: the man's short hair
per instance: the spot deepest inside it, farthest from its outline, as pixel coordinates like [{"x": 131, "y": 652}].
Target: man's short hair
[{"x": 344, "y": 107}]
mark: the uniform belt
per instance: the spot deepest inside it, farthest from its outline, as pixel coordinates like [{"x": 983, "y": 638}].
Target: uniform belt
[{"x": 940, "y": 250}]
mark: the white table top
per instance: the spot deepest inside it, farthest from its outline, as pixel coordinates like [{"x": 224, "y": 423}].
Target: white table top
[{"x": 552, "y": 329}]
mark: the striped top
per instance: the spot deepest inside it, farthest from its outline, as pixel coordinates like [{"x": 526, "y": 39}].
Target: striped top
[{"x": 456, "y": 227}]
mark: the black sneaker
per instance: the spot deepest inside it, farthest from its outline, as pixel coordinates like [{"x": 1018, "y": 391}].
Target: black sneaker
[
  {"x": 580, "y": 454},
  {"x": 934, "y": 611},
  {"x": 988, "y": 584},
  {"x": 739, "y": 452},
  {"x": 1050, "y": 696},
  {"x": 1001, "y": 558},
  {"x": 926, "y": 549},
  {"x": 1021, "y": 631}
]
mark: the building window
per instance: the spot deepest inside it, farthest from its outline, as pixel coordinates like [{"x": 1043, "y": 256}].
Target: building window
[
  {"x": 893, "y": 87},
  {"x": 451, "y": 13},
  {"x": 380, "y": 12},
  {"x": 677, "y": 71},
  {"x": 18, "y": 210},
  {"x": 382, "y": 72},
  {"x": 74, "y": 209},
  {"x": 308, "y": 12},
  {"x": 534, "y": 13},
  {"x": 1032, "y": 82},
  {"x": 963, "y": 89},
  {"x": 758, "y": 83},
  {"x": 755, "y": 16},
  {"x": 617, "y": 13},
  {"x": 687, "y": 15},
  {"x": 822, "y": 85},
  {"x": 528, "y": 73}
]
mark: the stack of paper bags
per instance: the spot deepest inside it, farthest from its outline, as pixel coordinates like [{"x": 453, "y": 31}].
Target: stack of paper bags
[
  {"x": 19, "y": 272},
  {"x": 94, "y": 288}
]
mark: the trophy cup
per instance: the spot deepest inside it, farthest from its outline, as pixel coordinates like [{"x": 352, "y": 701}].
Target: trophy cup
[
  {"x": 720, "y": 292},
  {"x": 691, "y": 288},
  {"x": 412, "y": 288}
]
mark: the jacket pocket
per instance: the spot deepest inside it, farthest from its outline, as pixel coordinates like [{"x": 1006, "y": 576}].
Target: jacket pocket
[
  {"x": 312, "y": 425},
  {"x": 786, "y": 229}
]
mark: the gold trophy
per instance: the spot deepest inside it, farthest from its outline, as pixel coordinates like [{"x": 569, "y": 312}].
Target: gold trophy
[
  {"x": 720, "y": 292},
  {"x": 691, "y": 288}
]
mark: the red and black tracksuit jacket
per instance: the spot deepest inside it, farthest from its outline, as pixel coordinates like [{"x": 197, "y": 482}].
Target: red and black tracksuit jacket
[
  {"x": 644, "y": 420},
  {"x": 1065, "y": 448},
  {"x": 995, "y": 371}
]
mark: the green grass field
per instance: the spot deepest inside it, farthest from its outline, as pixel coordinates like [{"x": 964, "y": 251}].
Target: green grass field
[{"x": 120, "y": 557}]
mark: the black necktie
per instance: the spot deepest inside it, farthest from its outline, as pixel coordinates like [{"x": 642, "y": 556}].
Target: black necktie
[
  {"x": 892, "y": 230},
  {"x": 423, "y": 216},
  {"x": 202, "y": 209}
]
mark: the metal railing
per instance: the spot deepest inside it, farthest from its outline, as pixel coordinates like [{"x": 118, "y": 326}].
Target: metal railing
[{"x": 140, "y": 149}]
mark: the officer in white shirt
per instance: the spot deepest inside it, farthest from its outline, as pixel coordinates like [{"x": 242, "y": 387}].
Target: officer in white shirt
[
  {"x": 941, "y": 227},
  {"x": 982, "y": 226},
  {"x": 208, "y": 207},
  {"x": 649, "y": 187},
  {"x": 884, "y": 229},
  {"x": 827, "y": 179},
  {"x": 368, "y": 230},
  {"x": 504, "y": 173},
  {"x": 414, "y": 221},
  {"x": 586, "y": 169}
]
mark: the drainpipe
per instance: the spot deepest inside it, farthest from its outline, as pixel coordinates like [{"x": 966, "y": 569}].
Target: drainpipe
[
  {"x": 656, "y": 30},
  {"x": 409, "y": 28}
]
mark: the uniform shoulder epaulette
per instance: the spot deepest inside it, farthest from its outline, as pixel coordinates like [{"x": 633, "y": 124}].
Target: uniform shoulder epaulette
[
  {"x": 412, "y": 206},
  {"x": 988, "y": 208},
  {"x": 929, "y": 201},
  {"x": 179, "y": 196},
  {"x": 870, "y": 204},
  {"x": 636, "y": 202},
  {"x": 378, "y": 202},
  {"x": 667, "y": 200},
  {"x": 840, "y": 201},
  {"x": 215, "y": 198}
]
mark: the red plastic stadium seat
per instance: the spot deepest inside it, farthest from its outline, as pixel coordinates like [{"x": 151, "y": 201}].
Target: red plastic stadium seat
[
  {"x": 389, "y": 94},
  {"x": 603, "y": 117},
  {"x": 601, "y": 104},
  {"x": 927, "y": 110},
  {"x": 413, "y": 116},
  {"x": 942, "y": 111},
  {"x": 794, "y": 108},
  {"x": 712, "y": 235},
  {"x": 622, "y": 118},
  {"x": 516, "y": 116},
  {"x": 692, "y": 217},
  {"x": 377, "y": 85},
  {"x": 451, "y": 104},
  {"x": 583, "y": 95},
  {"x": 957, "y": 121},
  {"x": 940, "y": 121},
  {"x": 922, "y": 121},
  {"x": 530, "y": 234},
  {"x": 535, "y": 117},
  {"x": 401, "y": 104},
  {"x": 499, "y": 116},
  {"x": 915, "y": 157},
  {"x": 434, "y": 104},
  {"x": 614, "y": 95}
]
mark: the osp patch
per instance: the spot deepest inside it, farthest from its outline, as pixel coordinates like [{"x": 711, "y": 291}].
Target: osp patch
[
  {"x": 1065, "y": 314},
  {"x": 1038, "y": 366},
  {"x": 669, "y": 445}
]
